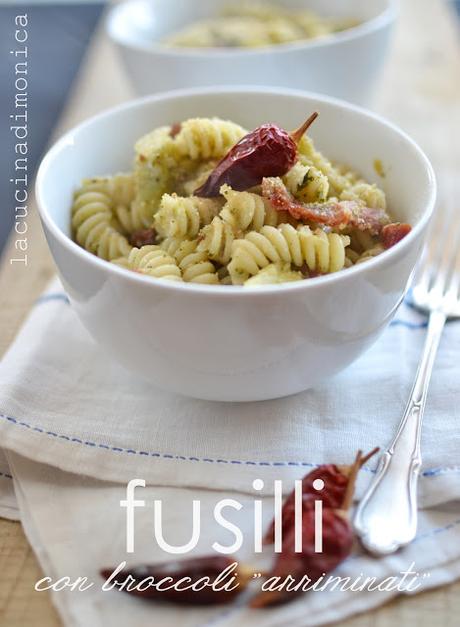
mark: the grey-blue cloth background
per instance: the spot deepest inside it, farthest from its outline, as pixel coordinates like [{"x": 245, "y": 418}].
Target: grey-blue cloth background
[{"x": 58, "y": 35}]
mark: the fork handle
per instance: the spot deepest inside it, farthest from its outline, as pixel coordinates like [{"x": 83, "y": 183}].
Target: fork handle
[{"x": 386, "y": 517}]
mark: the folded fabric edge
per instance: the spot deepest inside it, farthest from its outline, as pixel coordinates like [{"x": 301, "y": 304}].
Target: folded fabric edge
[
  {"x": 33, "y": 537},
  {"x": 8, "y": 504},
  {"x": 179, "y": 471},
  {"x": 10, "y": 513}
]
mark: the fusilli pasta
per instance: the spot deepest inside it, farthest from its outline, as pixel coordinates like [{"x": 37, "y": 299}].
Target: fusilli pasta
[
  {"x": 308, "y": 155},
  {"x": 207, "y": 138},
  {"x": 370, "y": 195},
  {"x": 266, "y": 234},
  {"x": 121, "y": 190},
  {"x": 154, "y": 261},
  {"x": 153, "y": 167},
  {"x": 307, "y": 183},
  {"x": 216, "y": 240},
  {"x": 254, "y": 24},
  {"x": 91, "y": 223},
  {"x": 245, "y": 211},
  {"x": 369, "y": 253},
  {"x": 321, "y": 252},
  {"x": 194, "y": 263},
  {"x": 183, "y": 217},
  {"x": 274, "y": 273}
]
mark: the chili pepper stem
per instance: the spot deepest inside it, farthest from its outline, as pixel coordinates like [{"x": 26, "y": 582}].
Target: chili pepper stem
[
  {"x": 299, "y": 133},
  {"x": 367, "y": 457},
  {"x": 348, "y": 497},
  {"x": 360, "y": 460},
  {"x": 347, "y": 469}
]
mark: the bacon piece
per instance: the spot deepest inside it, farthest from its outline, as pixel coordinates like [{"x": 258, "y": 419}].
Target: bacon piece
[
  {"x": 175, "y": 129},
  {"x": 393, "y": 233},
  {"x": 330, "y": 214},
  {"x": 340, "y": 213},
  {"x": 143, "y": 237},
  {"x": 368, "y": 218}
]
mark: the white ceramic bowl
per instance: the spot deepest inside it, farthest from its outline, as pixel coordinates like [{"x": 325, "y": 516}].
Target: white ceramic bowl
[
  {"x": 229, "y": 343},
  {"x": 345, "y": 65}
]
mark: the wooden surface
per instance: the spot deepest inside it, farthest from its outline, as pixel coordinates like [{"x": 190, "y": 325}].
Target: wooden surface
[{"x": 421, "y": 92}]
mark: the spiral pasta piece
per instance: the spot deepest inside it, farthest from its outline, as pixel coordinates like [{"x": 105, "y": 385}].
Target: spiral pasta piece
[
  {"x": 153, "y": 174},
  {"x": 194, "y": 263},
  {"x": 370, "y": 253},
  {"x": 258, "y": 249},
  {"x": 91, "y": 215},
  {"x": 177, "y": 247},
  {"x": 216, "y": 240},
  {"x": 295, "y": 176},
  {"x": 155, "y": 262},
  {"x": 196, "y": 268},
  {"x": 207, "y": 138},
  {"x": 246, "y": 211},
  {"x": 120, "y": 187},
  {"x": 123, "y": 262},
  {"x": 321, "y": 252},
  {"x": 308, "y": 155},
  {"x": 369, "y": 194},
  {"x": 91, "y": 223},
  {"x": 179, "y": 216},
  {"x": 274, "y": 273},
  {"x": 307, "y": 183},
  {"x": 351, "y": 257},
  {"x": 121, "y": 190},
  {"x": 112, "y": 244}
]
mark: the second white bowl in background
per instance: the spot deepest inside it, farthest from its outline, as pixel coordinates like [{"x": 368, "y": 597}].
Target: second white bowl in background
[{"x": 346, "y": 65}]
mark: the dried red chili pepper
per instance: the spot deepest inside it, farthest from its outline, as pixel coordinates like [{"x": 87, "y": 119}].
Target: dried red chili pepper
[
  {"x": 188, "y": 571},
  {"x": 268, "y": 150},
  {"x": 143, "y": 237},
  {"x": 337, "y": 539},
  {"x": 337, "y": 213},
  {"x": 337, "y": 544},
  {"x": 393, "y": 233}
]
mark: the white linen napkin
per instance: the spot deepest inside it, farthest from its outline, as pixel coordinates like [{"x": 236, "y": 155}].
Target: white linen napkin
[
  {"x": 76, "y": 526},
  {"x": 64, "y": 405},
  {"x": 62, "y": 402}
]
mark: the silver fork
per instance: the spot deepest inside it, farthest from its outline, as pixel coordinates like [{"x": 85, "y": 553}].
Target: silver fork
[{"x": 386, "y": 518}]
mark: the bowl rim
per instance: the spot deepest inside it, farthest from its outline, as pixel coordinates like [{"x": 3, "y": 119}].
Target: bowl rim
[
  {"x": 376, "y": 23},
  {"x": 232, "y": 290}
]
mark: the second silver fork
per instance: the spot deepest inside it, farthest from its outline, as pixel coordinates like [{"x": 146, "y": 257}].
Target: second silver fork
[{"x": 386, "y": 518}]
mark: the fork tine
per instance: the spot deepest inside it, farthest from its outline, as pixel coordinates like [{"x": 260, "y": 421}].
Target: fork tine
[
  {"x": 422, "y": 274},
  {"x": 453, "y": 284},
  {"x": 425, "y": 268},
  {"x": 448, "y": 248},
  {"x": 436, "y": 252}
]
